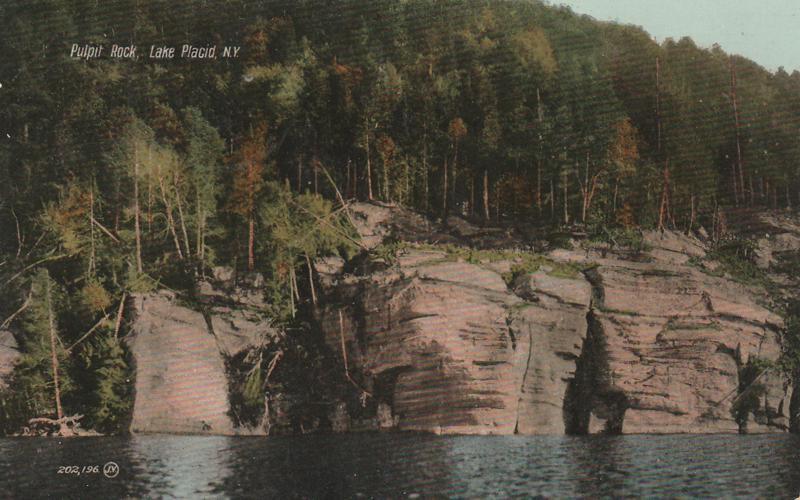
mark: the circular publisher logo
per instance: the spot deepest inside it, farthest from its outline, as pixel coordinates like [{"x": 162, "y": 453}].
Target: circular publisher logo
[{"x": 111, "y": 470}]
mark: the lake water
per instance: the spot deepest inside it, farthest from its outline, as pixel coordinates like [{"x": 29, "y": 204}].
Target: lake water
[{"x": 397, "y": 465}]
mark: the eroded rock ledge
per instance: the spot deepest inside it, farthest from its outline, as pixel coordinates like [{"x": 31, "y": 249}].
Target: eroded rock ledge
[
  {"x": 452, "y": 345},
  {"x": 430, "y": 336}
]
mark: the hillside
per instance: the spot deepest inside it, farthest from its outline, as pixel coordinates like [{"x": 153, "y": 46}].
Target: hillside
[{"x": 499, "y": 127}]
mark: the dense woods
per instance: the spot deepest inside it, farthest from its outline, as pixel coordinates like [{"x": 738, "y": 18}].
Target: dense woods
[{"x": 121, "y": 176}]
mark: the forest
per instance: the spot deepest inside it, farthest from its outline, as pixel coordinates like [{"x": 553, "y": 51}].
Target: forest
[{"x": 120, "y": 176}]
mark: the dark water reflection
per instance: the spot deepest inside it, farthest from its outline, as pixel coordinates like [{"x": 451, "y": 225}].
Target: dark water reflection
[{"x": 402, "y": 465}]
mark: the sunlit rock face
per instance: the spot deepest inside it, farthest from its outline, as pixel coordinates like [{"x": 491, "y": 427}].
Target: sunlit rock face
[
  {"x": 668, "y": 344},
  {"x": 645, "y": 345},
  {"x": 179, "y": 354},
  {"x": 180, "y": 373}
]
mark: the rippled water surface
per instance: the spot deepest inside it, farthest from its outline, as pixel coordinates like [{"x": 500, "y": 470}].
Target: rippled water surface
[{"x": 402, "y": 465}]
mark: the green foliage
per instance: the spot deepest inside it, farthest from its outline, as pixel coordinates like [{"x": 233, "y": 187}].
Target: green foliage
[
  {"x": 32, "y": 385},
  {"x": 751, "y": 390},
  {"x": 301, "y": 228},
  {"x": 790, "y": 358},
  {"x": 109, "y": 384},
  {"x": 737, "y": 259}
]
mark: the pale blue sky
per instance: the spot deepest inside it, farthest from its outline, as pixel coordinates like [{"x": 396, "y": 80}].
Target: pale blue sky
[{"x": 766, "y": 31}]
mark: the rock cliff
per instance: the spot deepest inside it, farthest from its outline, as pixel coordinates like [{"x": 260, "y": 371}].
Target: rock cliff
[
  {"x": 454, "y": 328},
  {"x": 180, "y": 353},
  {"x": 579, "y": 342}
]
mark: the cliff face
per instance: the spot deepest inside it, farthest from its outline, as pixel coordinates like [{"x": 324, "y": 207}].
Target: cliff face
[
  {"x": 180, "y": 353},
  {"x": 437, "y": 338},
  {"x": 646, "y": 345}
]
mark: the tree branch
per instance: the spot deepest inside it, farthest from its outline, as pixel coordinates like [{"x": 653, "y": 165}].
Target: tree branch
[
  {"x": 103, "y": 228},
  {"x": 25, "y": 305},
  {"x": 85, "y": 335}
]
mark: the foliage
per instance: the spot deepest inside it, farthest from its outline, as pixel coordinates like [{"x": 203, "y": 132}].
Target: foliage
[
  {"x": 736, "y": 257},
  {"x": 751, "y": 390}
]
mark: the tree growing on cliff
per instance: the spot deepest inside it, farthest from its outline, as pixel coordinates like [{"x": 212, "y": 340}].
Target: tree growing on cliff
[
  {"x": 41, "y": 382},
  {"x": 300, "y": 229},
  {"x": 248, "y": 182},
  {"x": 204, "y": 149}
]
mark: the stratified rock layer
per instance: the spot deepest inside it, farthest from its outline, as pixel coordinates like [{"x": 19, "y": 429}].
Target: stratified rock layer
[{"x": 651, "y": 345}]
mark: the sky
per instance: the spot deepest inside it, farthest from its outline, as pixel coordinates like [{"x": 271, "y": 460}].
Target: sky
[{"x": 766, "y": 31}]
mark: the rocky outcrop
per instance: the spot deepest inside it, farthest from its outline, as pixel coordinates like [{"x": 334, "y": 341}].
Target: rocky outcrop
[
  {"x": 645, "y": 345},
  {"x": 436, "y": 333},
  {"x": 779, "y": 236},
  {"x": 180, "y": 355},
  {"x": 9, "y": 353},
  {"x": 674, "y": 341},
  {"x": 433, "y": 341}
]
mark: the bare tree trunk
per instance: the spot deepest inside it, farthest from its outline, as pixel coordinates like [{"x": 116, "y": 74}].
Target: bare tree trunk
[
  {"x": 663, "y": 211},
  {"x": 299, "y": 175},
  {"x": 199, "y": 241},
  {"x": 251, "y": 241},
  {"x": 385, "y": 180},
  {"x": 735, "y": 184},
  {"x": 497, "y": 201},
  {"x": 738, "y": 138},
  {"x": 348, "y": 184},
  {"x": 472, "y": 195},
  {"x": 136, "y": 216},
  {"x": 291, "y": 290},
  {"x": 425, "y": 172},
  {"x": 92, "y": 256},
  {"x": 540, "y": 116},
  {"x": 369, "y": 167},
  {"x": 566, "y": 197},
  {"x": 179, "y": 203},
  {"x": 585, "y": 190},
  {"x": 120, "y": 312},
  {"x": 539, "y": 186},
  {"x": 311, "y": 280},
  {"x": 693, "y": 214},
  {"x": 454, "y": 175},
  {"x": 486, "y": 194},
  {"x": 355, "y": 179},
  {"x": 658, "y": 104},
  {"x": 407, "y": 198},
  {"x": 552, "y": 200},
  {"x": 788, "y": 196},
  {"x": 170, "y": 219},
  {"x": 251, "y": 217},
  {"x": 316, "y": 175},
  {"x": 444, "y": 190},
  {"x": 53, "y": 356},
  {"x": 149, "y": 207},
  {"x": 19, "y": 233}
]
